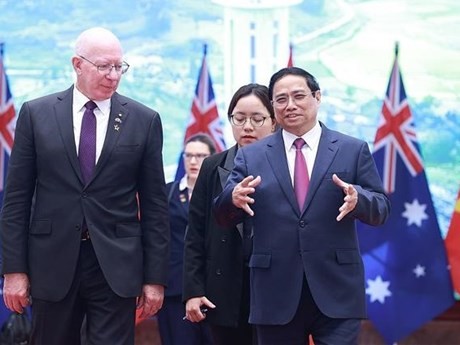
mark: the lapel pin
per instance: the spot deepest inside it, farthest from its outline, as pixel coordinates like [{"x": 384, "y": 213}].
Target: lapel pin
[{"x": 116, "y": 127}]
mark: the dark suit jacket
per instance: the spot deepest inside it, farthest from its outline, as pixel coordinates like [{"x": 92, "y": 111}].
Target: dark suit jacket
[
  {"x": 292, "y": 244},
  {"x": 178, "y": 220},
  {"x": 213, "y": 257},
  {"x": 42, "y": 238}
]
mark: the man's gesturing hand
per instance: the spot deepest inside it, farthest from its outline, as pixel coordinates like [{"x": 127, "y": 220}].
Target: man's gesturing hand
[
  {"x": 350, "y": 199},
  {"x": 240, "y": 194}
]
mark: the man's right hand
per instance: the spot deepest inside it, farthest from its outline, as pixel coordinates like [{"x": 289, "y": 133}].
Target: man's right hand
[
  {"x": 194, "y": 308},
  {"x": 16, "y": 291}
]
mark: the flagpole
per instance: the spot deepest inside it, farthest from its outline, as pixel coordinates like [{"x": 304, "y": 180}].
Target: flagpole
[{"x": 290, "y": 58}]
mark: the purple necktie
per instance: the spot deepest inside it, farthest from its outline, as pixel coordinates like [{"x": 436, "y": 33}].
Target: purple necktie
[
  {"x": 87, "y": 148},
  {"x": 301, "y": 179}
]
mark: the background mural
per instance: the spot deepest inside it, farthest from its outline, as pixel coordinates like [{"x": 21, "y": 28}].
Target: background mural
[{"x": 347, "y": 45}]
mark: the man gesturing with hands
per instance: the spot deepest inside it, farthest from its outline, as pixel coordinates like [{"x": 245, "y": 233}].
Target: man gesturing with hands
[{"x": 306, "y": 271}]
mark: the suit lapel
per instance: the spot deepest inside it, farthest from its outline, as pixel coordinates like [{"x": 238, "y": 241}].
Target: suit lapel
[
  {"x": 276, "y": 156},
  {"x": 117, "y": 118},
  {"x": 224, "y": 171},
  {"x": 64, "y": 118},
  {"x": 184, "y": 201},
  {"x": 327, "y": 150}
]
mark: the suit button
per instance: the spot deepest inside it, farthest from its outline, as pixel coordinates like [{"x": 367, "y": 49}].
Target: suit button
[
  {"x": 223, "y": 240},
  {"x": 77, "y": 227},
  {"x": 218, "y": 272},
  {"x": 302, "y": 224},
  {"x": 84, "y": 195}
]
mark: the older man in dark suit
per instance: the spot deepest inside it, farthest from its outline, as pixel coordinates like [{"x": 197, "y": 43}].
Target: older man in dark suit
[
  {"x": 85, "y": 163},
  {"x": 307, "y": 276}
]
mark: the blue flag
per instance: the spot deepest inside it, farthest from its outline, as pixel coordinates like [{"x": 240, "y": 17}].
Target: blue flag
[
  {"x": 7, "y": 125},
  {"x": 407, "y": 277}
]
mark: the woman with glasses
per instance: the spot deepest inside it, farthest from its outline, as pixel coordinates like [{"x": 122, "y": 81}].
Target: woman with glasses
[
  {"x": 216, "y": 274},
  {"x": 173, "y": 329}
]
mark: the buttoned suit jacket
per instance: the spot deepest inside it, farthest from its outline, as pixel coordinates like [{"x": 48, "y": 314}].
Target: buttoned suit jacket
[
  {"x": 46, "y": 200},
  {"x": 290, "y": 244},
  {"x": 213, "y": 255}
]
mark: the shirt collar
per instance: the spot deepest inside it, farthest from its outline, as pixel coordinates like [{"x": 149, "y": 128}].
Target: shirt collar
[
  {"x": 311, "y": 137},
  {"x": 183, "y": 183},
  {"x": 79, "y": 101}
]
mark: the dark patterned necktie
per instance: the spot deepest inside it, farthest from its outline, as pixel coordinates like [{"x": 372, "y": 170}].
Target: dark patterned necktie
[
  {"x": 301, "y": 179},
  {"x": 87, "y": 147}
]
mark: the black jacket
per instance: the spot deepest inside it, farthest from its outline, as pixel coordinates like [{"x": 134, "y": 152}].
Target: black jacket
[{"x": 213, "y": 255}]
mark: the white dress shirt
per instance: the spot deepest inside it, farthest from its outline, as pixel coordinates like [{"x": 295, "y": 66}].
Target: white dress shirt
[
  {"x": 309, "y": 150},
  {"x": 102, "y": 113}
]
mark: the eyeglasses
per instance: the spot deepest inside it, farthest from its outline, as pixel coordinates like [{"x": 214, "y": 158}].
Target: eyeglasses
[
  {"x": 107, "y": 68},
  {"x": 255, "y": 120},
  {"x": 281, "y": 102},
  {"x": 198, "y": 156}
]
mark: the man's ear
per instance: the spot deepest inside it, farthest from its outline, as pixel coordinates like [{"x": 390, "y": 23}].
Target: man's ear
[
  {"x": 76, "y": 62},
  {"x": 318, "y": 96}
]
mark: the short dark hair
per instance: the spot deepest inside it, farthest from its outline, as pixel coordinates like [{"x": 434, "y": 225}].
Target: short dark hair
[
  {"x": 203, "y": 138},
  {"x": 260, "y": 91},
  {"x": 311, "y": 80}
]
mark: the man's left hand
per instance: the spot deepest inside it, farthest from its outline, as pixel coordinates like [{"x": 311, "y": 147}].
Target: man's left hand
[
  {"x": 350, "y": 199},
  {"x": 151, "y": 300}
]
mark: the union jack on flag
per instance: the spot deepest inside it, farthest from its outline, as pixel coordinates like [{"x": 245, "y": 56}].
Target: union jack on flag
[
  {"x": 204, "y": 116},
  {"x": 396, "y": 133},
  {"x": 406, "y": 269},
  {"x": 7, "y": 123}
]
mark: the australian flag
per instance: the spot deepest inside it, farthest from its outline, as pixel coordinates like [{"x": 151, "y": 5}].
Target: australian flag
[
  {"x": 7, "y": 125},
  {"x": 204, "y": 116},
  {"x": 407, "y": 277}
]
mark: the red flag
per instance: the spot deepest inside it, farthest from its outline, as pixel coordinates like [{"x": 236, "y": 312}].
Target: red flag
[
  {"x": 204, "y": 116},
  {"x": 290, "y": 62},
  {"x": 7, "y": 125},
  {"x": 453, "y": 245}
]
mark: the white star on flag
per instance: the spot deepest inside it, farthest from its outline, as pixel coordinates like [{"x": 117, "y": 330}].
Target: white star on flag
[
  {"x": 378, "y": 289},
  {"x": 415, "y": 213},
  {"x": 419, "y": 271}
]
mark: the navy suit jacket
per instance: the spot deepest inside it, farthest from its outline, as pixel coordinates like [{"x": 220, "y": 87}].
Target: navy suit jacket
[
  {"x": 290, "y": 244},
  {"x": 178, "y": 220},
  {"x": 46, "y": 200}
]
